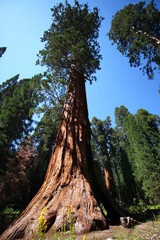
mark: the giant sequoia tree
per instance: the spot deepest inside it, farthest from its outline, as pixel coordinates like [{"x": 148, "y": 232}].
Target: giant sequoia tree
[
  {"x": 71, "y": 54},
  {"x": 135, "y": 30}
]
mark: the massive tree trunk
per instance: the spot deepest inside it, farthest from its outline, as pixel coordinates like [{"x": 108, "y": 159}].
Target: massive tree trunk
[{"x": 69, "y": 179}]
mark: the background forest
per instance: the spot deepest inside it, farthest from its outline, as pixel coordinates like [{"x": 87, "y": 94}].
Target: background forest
[
  {"x": 130, "y": 149},
  {"x": 30, "y": 113}
]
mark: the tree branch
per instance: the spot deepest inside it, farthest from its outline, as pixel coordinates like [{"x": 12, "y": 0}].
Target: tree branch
[{"x": 156, "y": 40}]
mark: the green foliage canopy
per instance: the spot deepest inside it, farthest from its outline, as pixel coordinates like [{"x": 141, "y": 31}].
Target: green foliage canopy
[
  {"x": 132, "y": 149},
  {"x": 136, "y": 31},
  {"x": 2, "y": 51},
  {"x": 144, "y": 139},
  {"x": 17, "y": 100},
  {"x": 71, "y": 39}
]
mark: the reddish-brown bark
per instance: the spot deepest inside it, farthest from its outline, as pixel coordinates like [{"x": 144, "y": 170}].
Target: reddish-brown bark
[
  {"x": 68, "y": 179},
  {"x": 109, "y": 179}
]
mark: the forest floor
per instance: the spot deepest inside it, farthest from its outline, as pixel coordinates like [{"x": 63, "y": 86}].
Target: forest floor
[
  {"x": 148, "y": 231},
  {"x": 144, "y": 231}
]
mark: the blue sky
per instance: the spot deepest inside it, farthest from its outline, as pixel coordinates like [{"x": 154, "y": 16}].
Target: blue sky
[{"x": 22, "y": 23}]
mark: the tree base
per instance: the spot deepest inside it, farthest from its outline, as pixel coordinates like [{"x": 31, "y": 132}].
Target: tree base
[
  {"x": 56, "y": 197},
  {"x": 70, "y": 178}
]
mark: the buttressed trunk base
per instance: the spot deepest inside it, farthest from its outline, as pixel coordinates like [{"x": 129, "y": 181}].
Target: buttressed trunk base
[{"x": 68, "y": 179}]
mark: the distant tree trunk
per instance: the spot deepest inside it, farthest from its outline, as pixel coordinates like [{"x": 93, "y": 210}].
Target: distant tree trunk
[
  {"x": 69, "y": 179},
  {"x": 109, "y": 179}
]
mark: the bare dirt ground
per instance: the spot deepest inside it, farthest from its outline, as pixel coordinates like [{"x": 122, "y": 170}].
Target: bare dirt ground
[
  {"x": 147, "y": 231},
  {"x": 99, "y": 235}
]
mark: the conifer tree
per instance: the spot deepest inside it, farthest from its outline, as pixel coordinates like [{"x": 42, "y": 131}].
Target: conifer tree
[
  {"x": 123, "y": 161},
  {"x": 135, "y": 30},
  {"x": 101, "y": 137},
  {"x": 17, "y": 101},
  {"x": 143, "y": 133},
  {"x": 71, "y": 55}
]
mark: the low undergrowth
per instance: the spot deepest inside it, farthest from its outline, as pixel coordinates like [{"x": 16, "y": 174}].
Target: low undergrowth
[
  {"x": 142, "y": 212},
  {"x": 149, "y": 231},
  {"x": 62, "y": 234}
]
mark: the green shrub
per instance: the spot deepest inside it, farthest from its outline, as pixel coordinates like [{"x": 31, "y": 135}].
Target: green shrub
[
  {"x": 11, "y": 211},
  {"x": 137, "y": 207}
]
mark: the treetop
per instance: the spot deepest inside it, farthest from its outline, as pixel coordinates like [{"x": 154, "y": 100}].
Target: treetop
[{"x": 72, "y": 39}]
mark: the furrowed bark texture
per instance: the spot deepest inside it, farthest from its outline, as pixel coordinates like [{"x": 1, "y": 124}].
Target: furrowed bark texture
[{"x": 69, "y": 176}]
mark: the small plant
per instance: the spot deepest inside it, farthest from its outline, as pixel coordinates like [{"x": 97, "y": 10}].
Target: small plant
[
  {"x": 158, "y": 218},
  {"x": 103, "y": 209},
  {"x": 42, "y": 226},
  {"x": 55, "y": 233},
  {"x": 62, "y": 234},
  {"x": 32, "y": 234},
  {"x": 71, "y": 225},
  {"x": 11, "y": 211}
]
